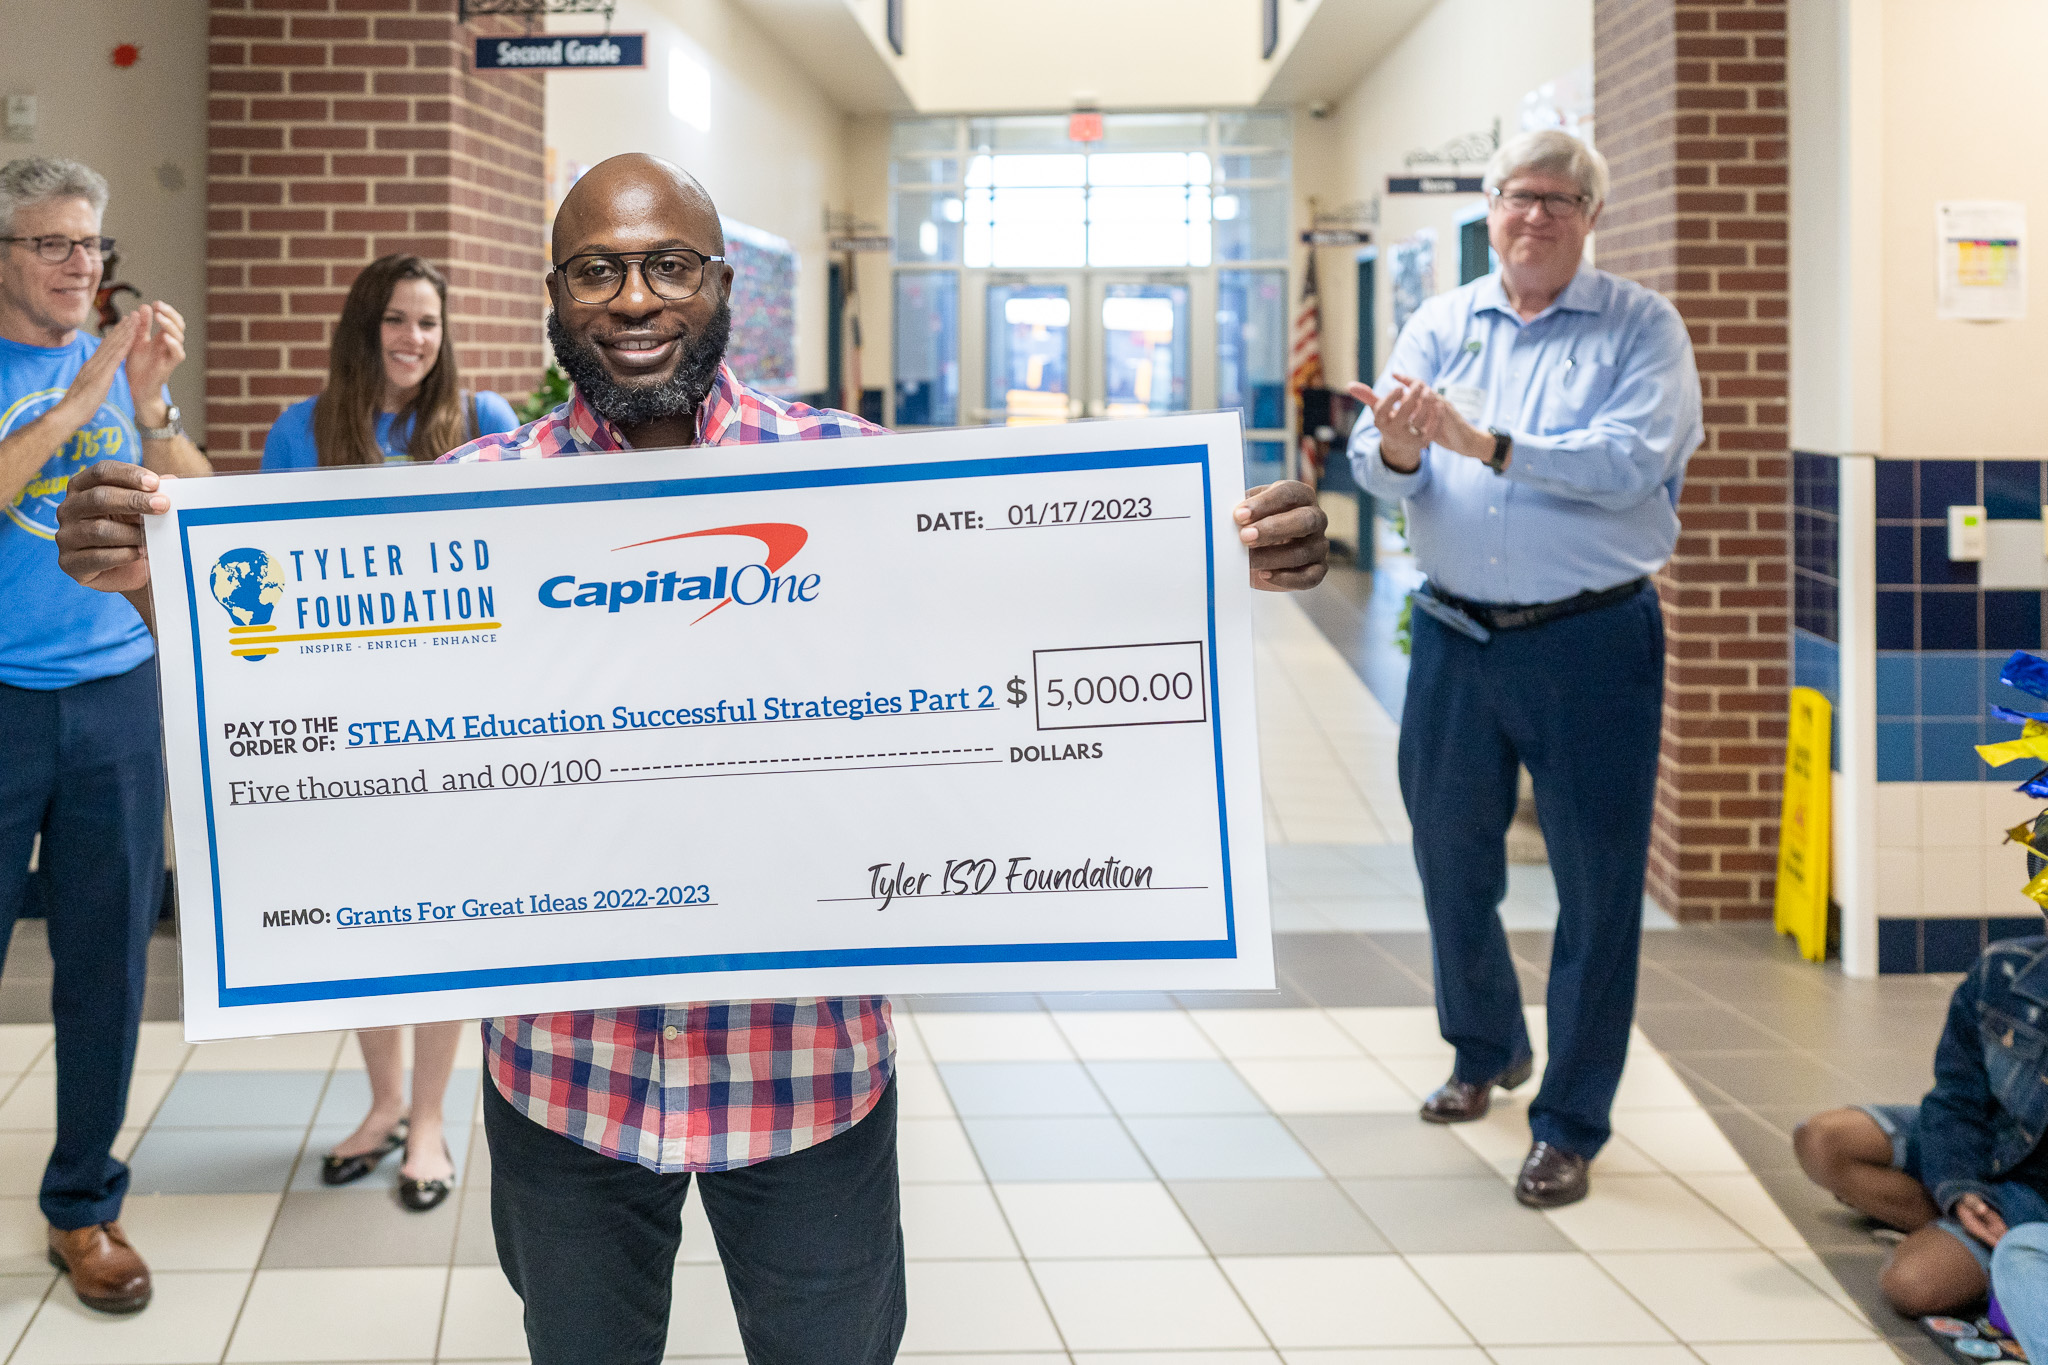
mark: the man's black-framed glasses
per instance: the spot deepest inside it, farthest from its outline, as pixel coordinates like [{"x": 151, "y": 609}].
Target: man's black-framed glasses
[
  {"x": 57, "y": 249},
  {"x": 673, "y": 273},
  {"x": 1523, "y": 202}
]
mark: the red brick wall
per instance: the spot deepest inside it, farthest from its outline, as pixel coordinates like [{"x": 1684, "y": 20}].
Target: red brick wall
[
  {"x": 339, "y": 131},
  {"x": 1689, "y": 107}
]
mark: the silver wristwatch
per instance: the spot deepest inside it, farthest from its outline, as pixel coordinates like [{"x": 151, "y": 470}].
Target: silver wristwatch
[{"x": 171, "y": 427}]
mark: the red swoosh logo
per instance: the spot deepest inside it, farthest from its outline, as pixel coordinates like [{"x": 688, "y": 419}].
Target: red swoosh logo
[{"x": 781, "y": 539}]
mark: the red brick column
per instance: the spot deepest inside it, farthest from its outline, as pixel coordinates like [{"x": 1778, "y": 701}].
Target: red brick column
[
  {"x": 1690, "y": 111},
  {"x": 339, "y": 131}
]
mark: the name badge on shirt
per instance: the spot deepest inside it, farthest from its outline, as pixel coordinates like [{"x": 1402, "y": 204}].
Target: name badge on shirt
[{"x": 1469, "y": 400}]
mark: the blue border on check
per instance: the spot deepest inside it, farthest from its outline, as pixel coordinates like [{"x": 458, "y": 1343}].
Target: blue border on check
[{"x": 481, "y": 978}]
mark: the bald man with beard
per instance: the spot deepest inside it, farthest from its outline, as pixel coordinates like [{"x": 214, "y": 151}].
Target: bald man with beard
[{"x": 783, "y": 1110}]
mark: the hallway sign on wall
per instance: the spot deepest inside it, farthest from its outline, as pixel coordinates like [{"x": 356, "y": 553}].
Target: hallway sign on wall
[
  {"x": 1435, "y": 184},
  {"x": 563, "y": 52}
]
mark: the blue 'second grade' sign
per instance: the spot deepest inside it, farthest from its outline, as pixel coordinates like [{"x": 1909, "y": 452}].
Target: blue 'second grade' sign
[{"x": 562, "y": 52}]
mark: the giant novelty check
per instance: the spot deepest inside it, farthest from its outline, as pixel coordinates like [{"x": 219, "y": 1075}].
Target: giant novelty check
[{"x": 960, "y": 711}]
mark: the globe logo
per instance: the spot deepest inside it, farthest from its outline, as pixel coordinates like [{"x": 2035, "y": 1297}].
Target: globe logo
[{"x": 249, "y": 584}]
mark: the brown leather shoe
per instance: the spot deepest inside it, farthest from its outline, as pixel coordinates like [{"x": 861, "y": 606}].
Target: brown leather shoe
[
  {"x": 1552, "y": 1177},
  {"x": 1457, "y": 1101},
  {"x": 105, "y": 1270}
]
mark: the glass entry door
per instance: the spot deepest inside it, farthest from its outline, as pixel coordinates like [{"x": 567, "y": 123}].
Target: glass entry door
[
  {"x": 1056, "y": 346},
  {"x": 1031, "y": 326},
  {"x": 1144, "y": 347}
]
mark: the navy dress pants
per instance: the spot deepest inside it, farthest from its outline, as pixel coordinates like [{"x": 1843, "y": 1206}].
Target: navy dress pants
[
  {"x": 812, "y": 1244},
  {"x": 1579, "y": 702},
  {"x": 83, "y": 765}
]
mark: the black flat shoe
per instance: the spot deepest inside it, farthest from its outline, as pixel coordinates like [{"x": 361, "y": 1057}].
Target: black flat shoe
[
  {"x": 342, "y": 1170},
  {"x": 1457, "y": 1101},
  {"x": 1552, "y": 1177},
  {"x": 421, "y": 1195}
]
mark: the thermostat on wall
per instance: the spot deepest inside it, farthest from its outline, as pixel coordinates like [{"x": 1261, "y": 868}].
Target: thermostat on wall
[{"x": 1966, "y": 535}]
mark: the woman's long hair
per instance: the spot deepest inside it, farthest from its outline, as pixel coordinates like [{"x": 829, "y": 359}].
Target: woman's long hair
[{"x": 345, "y": 415}]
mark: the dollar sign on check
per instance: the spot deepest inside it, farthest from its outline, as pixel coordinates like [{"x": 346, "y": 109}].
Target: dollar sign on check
[{"x": 1018, "y": 694}]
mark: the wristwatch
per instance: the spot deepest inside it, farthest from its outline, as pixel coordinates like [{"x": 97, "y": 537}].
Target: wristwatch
[
  {"x": 171, "y": 427},
  {"x": 1502, "y": 444}
]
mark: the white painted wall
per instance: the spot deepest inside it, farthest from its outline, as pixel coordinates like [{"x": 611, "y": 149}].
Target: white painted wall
[
  {"x": 773, "y": 156},
  {"x": 978, "y": 56},
  {"x": 867, "y": 198},
  {"x": 1894, "y": 108},
  {"x": 143, "y": 128},
  {"x": 1822, "y": 339},
  {"x": 1962, "y": 119},
  {"x": 1463, "y": 64}
]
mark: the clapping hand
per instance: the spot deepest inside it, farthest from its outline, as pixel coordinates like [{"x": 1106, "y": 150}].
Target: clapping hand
[
  {"x": 159, "y": 348},
  {"x": 1414, "y": 415}
]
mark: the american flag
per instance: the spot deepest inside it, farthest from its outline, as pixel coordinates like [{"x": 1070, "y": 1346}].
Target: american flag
[{"x": 1306, "y": 361}]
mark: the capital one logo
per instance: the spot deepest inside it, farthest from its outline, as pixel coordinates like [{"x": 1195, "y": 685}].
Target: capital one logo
[{"x": 749, "y": 584}]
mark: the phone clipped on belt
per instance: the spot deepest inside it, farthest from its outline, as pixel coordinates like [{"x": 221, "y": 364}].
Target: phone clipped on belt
[{"x": 1429, "y": 602}]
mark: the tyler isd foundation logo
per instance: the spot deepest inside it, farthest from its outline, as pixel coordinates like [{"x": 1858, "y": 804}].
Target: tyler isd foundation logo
[{"x": 248, "y": 584}]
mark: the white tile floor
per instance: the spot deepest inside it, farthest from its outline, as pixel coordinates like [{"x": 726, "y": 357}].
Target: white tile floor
[{"x": 1081, "y": 1187}]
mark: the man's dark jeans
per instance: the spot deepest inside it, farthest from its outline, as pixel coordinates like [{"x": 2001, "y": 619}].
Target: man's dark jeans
[
  {"x": 1579, "y": 701},
  {"x": 812, "y": 1244},
  {"x": 83, "y": 765}
]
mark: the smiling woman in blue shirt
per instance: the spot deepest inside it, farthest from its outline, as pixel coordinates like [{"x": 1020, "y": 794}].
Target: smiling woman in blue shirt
[
  {"x": 393, "y": 393},
  {"x": 1535, "y": 424},
  {"x": 393, "y": 397}
]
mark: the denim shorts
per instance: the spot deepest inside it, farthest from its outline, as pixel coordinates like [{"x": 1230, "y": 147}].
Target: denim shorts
[{"x": 2017, "y": 1203}]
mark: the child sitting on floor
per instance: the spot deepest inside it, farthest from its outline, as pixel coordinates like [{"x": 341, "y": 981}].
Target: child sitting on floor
[{"x": 1955, "y": 1171}]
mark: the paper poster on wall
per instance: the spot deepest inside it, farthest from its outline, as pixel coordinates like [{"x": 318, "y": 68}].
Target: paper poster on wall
[
  {"x": 1414, "y": 274},
  {"x": 1980, "y": 261},
  {"x": 763, "y": 348}
]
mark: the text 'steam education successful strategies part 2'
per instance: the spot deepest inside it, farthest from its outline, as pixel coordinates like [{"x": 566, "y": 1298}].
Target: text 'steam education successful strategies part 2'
[{"x": 462, "y": 740}]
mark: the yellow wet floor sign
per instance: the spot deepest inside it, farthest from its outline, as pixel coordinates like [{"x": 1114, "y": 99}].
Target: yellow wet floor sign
[{"x": 1803, "y": 833}]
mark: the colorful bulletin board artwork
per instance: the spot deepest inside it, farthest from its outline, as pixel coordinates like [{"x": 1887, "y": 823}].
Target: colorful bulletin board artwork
[
  {"x": 1803, "y": 833},
  {"x": 1414, "y": 274},
  {"x": 763, "y": 347}
]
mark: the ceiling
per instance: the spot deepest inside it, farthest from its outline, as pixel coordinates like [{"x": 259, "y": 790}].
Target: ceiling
[
  {"x": 1344, "y": 39},
  {"x": 1026, "y": 58},
  {"x": 826, "y": 39}
]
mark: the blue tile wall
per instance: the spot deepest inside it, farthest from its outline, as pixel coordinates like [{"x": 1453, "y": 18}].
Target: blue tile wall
[
  {"x": 2012, "y": 619},
  {"x": 1925, "y": 602},
  {"x": 1817, "y": 663},
  {"x": 1816, "y": 544},
  {"x": 1945, "y": 945},
  {"x": 1898, "y": 945},
  {"x": 2012, "y": 489},
  {"x": 1934, "y": 708},
  {"x": 1895, "y": 490},
  {"x": 1950, "y": 945},
  {"x": 1941, "y": 640}
]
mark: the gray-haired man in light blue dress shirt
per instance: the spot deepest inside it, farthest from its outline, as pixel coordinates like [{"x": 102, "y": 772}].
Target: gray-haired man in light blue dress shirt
[{"x": 1536, "y": 424}]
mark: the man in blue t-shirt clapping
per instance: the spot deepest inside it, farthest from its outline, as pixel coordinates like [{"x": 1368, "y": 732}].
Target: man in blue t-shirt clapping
[{"x": 80, "y": 744}]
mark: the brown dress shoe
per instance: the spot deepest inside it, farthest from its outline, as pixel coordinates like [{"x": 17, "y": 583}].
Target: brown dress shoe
[
  {"x": 1552, "y": 1177},
  {"x": 1457, "y": 1101},
  {"x": 105, "y": 1270}
]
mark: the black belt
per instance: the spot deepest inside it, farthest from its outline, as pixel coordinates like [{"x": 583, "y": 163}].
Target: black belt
[{"x": 1514, "y": 617}]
